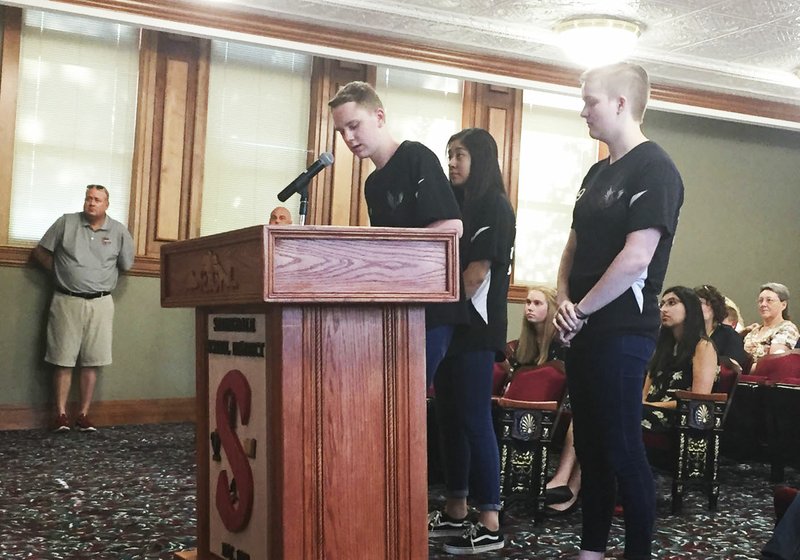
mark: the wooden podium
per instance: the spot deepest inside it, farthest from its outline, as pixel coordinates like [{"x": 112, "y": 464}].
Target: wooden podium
[{"x": 311, "y": 440}]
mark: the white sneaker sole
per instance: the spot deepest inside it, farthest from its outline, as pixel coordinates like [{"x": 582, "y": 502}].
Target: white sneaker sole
[
  {"x": 436, "y": 533},
  {"x": 479, "y": 549}
]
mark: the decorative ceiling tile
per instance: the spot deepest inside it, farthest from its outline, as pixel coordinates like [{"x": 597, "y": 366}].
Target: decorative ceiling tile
[
  {"x": 758, "y": 11},
  {"x": 737, "y": 46},
  {"x": 746, "y": 43}
]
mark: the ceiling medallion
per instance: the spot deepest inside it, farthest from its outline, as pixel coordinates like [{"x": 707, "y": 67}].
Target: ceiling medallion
[{"x": 592, "y": 41}]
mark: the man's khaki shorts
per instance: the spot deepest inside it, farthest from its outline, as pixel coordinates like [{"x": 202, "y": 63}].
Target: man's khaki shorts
[{"x": 79, "y": 328}]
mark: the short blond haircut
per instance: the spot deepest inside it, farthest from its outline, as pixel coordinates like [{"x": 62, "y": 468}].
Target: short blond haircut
[
  {"x": 360, "y": 93},
  {"x": 623, "y": 78}
]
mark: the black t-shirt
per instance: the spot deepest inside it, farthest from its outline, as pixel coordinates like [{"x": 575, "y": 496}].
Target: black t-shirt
[
  {"x": 411, "y": 190},
  {"x": 489, "y": 235},
  {"x": 729, "y": 343},
  {"x": 641, "y": 190}
]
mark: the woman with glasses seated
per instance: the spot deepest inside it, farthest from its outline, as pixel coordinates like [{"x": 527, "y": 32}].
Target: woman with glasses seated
[
  {"x": 684, "y": 358},
  {"x": 776, "y": 334}
]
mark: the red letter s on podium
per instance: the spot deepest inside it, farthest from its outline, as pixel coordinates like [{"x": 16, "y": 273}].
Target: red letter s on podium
[{"x": 234, "y": 501}]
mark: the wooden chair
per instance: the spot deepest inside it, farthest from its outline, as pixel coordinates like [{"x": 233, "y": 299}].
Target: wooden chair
[
  {"x": 692, "y": 446},
  {"x": 526, "y": 417}
]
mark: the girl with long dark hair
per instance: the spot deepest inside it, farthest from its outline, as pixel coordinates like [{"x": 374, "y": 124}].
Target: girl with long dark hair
[
  {"x": 684, "y": 358},
  {"x": 463, "y": 382}
]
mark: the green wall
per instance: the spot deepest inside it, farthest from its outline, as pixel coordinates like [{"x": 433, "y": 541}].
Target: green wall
[
  {"x": 153, "y": 347},
  {"x": 740, "y": 221}
]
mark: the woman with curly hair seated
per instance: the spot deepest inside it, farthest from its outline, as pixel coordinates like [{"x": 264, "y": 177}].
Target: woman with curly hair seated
[{"x": 727, "y": 342}]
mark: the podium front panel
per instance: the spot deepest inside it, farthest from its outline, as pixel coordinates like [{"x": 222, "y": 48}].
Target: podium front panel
[{"x": 318, "y": 407}]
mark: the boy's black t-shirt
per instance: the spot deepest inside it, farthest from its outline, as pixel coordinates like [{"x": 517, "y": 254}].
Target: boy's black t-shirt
[
  {"x": 490, "y": 229},
  {"x": 641, "y": 190},
  {"x": 411, "y": 190}
]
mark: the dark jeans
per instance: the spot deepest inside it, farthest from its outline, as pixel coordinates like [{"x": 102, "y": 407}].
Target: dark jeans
[
  {"x": 785, "y": 542},
  {"x": 437, "y": 340},
  {"x": 463, "y": 386},
  {"x": 605, "y": 378}
]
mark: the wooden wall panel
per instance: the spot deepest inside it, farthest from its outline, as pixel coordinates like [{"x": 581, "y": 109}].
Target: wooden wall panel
[
  {"x": 170, "y": 140},
  {"x": 12, "y": 20},
  {"x": 145, "y": 121},
  {"x": 497, "y": 109},
  {"x": 170, "y": 176}
]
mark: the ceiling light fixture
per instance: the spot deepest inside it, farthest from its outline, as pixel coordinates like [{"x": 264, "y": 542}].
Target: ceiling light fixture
[{"x": 597, "y": 40}]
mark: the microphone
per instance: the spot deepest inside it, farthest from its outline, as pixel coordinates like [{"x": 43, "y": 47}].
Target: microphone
[{"x": 305, "y": 177}]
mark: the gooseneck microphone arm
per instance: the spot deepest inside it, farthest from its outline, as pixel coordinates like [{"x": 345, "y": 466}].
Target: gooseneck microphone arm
[{"x": 302, "y": 180}]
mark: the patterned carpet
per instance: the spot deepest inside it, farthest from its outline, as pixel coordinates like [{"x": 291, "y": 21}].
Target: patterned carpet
[{"x": 127, "y": 493}]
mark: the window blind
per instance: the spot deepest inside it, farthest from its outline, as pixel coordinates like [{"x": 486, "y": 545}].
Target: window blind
[
  {"x": 555, "y": 153},
  {"x": 421, "y": 107},
  {"x": 75, "y": 118},
  {"x": 257, "y": 133}
]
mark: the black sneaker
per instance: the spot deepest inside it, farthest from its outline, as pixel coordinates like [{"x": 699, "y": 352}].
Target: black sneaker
[
  {"x": 476, "y": 540},
  {"x": 442, "y": 525}
]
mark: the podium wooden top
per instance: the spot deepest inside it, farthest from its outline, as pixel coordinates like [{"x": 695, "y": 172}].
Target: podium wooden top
[{"x": 311, "y": 264}]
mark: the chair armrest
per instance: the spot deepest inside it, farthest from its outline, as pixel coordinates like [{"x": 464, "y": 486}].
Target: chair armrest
[
  {"x": 752, "y": 380},
  {"x": 532, "y": 405},
  {"x": 689, "y": 396},
  {"x": 731, "y": 363},
  {"x": 791, "y": 384}
]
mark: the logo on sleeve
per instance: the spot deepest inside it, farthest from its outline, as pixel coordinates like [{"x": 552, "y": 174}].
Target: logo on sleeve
[{"x": 636, "y": 197}]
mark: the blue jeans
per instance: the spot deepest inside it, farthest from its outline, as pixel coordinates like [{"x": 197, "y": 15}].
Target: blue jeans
[
  {"x": 785, "y": 542},
  {"x": 464, "y": 412},
  {"x": 605, "y": 378},
  {"x": 437, "y": 341}
]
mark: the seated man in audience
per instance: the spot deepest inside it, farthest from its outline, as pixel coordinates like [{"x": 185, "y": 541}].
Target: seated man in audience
[
  {"x": 733, "y": 317},
  {"x": 280, "y": 216}
]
